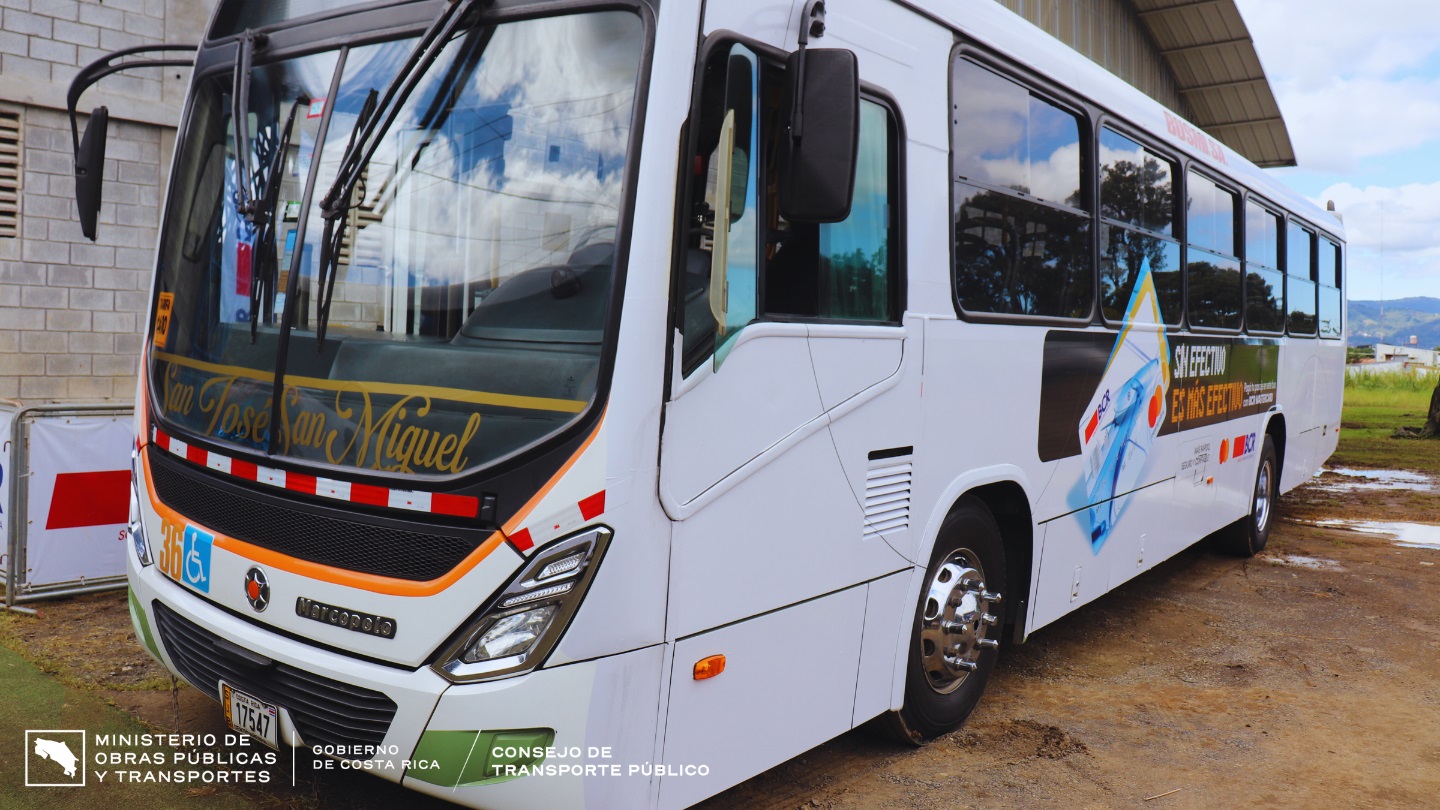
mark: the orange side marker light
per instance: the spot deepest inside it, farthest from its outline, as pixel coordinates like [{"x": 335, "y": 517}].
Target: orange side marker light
[{"x": 709, "y": 667}]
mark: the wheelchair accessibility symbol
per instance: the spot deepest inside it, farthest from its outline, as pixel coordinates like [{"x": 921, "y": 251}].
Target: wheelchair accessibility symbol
[{"x": 196, "y": 570}]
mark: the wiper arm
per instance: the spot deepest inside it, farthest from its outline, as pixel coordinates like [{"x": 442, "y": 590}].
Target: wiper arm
[
  {"x": 263, "y": 215},
  {"x": 240, "y": 114},
  {"x": 376, "y": 118},
  {"x": 333, "y": 241}
]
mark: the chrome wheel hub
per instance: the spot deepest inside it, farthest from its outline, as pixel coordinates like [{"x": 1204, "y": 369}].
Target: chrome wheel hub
[
  {"x": 956, "y": 624},
  {"x": 1262, "y": 498}
]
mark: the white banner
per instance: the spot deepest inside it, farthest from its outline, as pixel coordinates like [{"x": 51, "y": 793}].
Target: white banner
[{"x": 79, "y": 498}]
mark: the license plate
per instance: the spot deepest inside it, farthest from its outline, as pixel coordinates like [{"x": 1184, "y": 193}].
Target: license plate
[{"x": 251, "y": 715}]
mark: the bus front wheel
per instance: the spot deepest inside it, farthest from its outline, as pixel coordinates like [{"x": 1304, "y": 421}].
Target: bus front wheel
[
  {"x": 1248, "y": 536},
  {"x": 955, "y": 637}
]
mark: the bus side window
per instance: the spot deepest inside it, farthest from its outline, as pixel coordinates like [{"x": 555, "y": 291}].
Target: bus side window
[
  {"x": 1300, "y": 279},
  {"x": 845, "y": 271},
  {"x": 727, "y": 139},
  {"x": 1214, "y": 280},
  {"x": 1330, "y": 277},
  {"x": 1264, "y": 283},
  {"x": 1021, "y": 220},
  {"x": 1137, "y": 227}
]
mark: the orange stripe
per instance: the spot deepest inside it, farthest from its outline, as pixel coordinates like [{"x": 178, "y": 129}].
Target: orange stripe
[
  {"x": 372, "y": 582},
  {"x": 519, "y": 518},
  {"x": 143, "y": 396}
]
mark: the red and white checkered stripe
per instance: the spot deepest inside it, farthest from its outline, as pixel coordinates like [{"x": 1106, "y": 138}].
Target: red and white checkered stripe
[
  {"x": 571, "y": 517},
  {"x": 438, "y": 503}
]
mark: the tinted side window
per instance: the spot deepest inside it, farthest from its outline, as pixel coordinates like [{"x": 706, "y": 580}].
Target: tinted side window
[
  {"x": 1299, "y": 280},
  {"x": 1264, "y": 283},
  {"x": 1262, "y": 236},
  {"x": 1137, "y": 211},
  {"x": 1022, "y": 234},
  {"x": 857, "y": 277},
  {"x": 722, "y": 222},
  {"x": 1213, "y": 272},
  {"x": 1329, "y": 293},
  {"x": 1137, "y": 186},
  {"x": 845, "y": 271}
]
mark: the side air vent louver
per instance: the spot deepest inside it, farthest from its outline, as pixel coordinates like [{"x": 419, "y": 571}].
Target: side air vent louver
[{"x": 887, "y": 494}]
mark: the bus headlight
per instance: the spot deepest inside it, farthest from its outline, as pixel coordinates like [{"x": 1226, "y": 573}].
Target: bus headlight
[
  {"x": 520, "y": 625},
  {"x": 512, "y": 635},
  {"x": 135, "y": 527}
]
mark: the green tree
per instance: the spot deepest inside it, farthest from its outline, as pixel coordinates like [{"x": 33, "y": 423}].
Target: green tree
[
  {"x": 1142, "y": 196},
  {"x": 1014, "y": 256}
]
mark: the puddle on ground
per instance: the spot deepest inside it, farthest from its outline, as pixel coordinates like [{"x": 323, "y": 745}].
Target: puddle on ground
[
  {"x": 1297, "y": 561},
  {"x": 1406, "y": 535},
  {"x": 1353, "y": 480}
]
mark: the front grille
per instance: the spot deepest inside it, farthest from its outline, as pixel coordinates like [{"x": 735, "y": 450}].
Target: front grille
[
  {"x": 325, "y": 712},
  {"x": 266, "y": 522}
]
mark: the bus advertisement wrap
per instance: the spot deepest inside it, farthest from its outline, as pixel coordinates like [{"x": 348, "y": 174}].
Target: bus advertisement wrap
[{"x": 1213, "y": 380}]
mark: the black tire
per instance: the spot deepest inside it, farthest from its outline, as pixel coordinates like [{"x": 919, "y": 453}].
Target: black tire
[
  {"x": 1248, "y": 536},
  {"x": 937, "y": 698}
]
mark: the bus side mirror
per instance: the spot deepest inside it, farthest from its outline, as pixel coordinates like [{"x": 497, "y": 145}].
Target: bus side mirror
[
  {"x": 90, "y": 170},
  {"x": 817, "y": 175}
]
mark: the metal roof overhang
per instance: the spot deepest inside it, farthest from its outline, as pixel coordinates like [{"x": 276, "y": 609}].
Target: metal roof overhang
[{"x": 1219, "y": 75}]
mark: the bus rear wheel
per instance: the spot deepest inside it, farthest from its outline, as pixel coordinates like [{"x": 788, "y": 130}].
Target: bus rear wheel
[
  {"x": 955, "y": 637},
  {"x": 1248, "y": 536}
]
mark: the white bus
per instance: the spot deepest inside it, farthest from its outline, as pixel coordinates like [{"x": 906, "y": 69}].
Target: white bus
[{"x": 569, "y": 403}]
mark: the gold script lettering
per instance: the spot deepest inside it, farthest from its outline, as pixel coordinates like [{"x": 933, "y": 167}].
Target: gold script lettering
[{"x": 179, "y": 397}]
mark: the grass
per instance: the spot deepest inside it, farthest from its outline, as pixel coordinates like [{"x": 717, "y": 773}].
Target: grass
[
  {"x": 89, "y": 662},
  {"x": 1399, "y": 381},
  {"x": 1375, "y": 405},
  {"x": 35, "y": 701}
]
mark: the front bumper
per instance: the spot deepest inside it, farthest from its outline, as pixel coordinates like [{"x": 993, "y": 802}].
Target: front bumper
[{"x": 601, "y": 713}]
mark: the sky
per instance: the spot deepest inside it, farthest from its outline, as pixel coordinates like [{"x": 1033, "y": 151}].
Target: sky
[{"x": 1359, "y": 86}]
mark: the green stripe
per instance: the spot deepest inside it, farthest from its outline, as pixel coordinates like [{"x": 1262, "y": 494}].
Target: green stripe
[
  {"x": 468, "y": 758},
  {"x": 448, "y": 750},
  {"x": 142, "y": 625}
]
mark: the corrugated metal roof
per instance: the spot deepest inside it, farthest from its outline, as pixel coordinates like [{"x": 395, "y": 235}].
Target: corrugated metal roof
[{"x": 1219, "y": 75}]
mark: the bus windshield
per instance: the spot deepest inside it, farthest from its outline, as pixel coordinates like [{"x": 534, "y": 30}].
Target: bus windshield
[{"x": 471, "y": 291}]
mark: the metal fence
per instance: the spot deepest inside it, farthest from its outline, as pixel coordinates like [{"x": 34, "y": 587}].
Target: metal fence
[{"x": 75, "y": 472}]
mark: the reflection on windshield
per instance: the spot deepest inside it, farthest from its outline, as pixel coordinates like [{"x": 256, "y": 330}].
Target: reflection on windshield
[{"x": 472, "y": 288}]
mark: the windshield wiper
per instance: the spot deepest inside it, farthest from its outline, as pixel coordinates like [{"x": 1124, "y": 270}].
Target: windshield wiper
[
  {"x": 375, "y": 119},
  {"x": 264, "y": 216},
  {"x": 240, "y": 115},
  {"x": 333, "y": 241}
]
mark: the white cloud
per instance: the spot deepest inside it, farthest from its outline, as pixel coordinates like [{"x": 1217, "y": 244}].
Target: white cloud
[
  {"x": 1400, "y": 219},
  {"x": 1351, "y": 84},
  {"x": 1314, "y": 41},
  {"x": 1359, "y": 86},
  {"x": 1335, "y": 126},
  {"x": 1393, "y": 251}
]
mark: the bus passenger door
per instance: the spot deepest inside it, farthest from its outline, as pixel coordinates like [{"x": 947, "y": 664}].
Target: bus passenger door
[
  {"x": 768, "y": 529},
  {"x": 748, "y": 464}
]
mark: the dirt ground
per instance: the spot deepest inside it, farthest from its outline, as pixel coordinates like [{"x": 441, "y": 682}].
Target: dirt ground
[{"x": 1308, "y": 676}]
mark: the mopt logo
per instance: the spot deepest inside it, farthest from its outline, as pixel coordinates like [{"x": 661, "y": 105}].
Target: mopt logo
[{"x": 55, "y": 758}]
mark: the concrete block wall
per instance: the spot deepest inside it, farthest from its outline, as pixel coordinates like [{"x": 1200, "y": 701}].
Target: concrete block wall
[{"x": 72, "y": 311}]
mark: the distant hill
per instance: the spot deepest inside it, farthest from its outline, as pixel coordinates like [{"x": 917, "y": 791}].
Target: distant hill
[{"x": 1403, "y": 317}]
